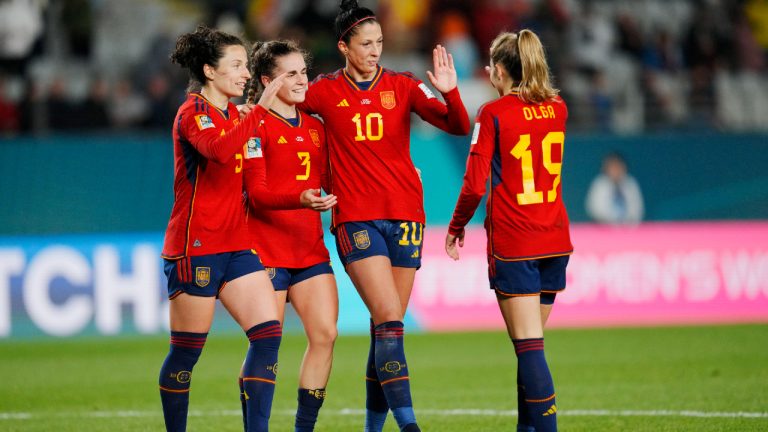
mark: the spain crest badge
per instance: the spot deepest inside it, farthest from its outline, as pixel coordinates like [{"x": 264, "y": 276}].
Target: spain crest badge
[
  {"x": 362, "y": 241},
  {"x": 388, "y": 99},
  {"x": 202, "y": 276},
  {"x": 315, "y": 137}
]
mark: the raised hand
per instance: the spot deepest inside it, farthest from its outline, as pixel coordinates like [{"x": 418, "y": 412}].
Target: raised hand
[
  {"x": 444, "y": 77},
  {"x": 270, "y": 91}
]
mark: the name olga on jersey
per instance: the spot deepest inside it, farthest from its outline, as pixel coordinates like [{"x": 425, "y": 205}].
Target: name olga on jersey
[{"x": 538, "y": 112}]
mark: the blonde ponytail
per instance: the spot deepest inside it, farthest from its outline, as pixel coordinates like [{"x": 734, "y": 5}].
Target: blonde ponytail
[{"x": 522, "y": 55}]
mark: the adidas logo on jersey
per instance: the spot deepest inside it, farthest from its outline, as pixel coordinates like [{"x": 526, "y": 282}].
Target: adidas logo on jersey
[
  {"x": 282, "y": 140},
  {"x": 343, "y": 103},
  {"x": 197, "y": 243}
]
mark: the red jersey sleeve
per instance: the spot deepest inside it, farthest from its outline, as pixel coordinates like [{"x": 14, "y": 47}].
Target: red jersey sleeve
[
  {"x": 476, "y": 176},
  {"x": 255, "y": 179},
  {"x": 450, "y": 116},
  {"x": 211, "y": 143}
]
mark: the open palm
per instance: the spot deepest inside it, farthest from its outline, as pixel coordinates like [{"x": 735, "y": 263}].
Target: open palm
[{"x": 444, "y": 77}]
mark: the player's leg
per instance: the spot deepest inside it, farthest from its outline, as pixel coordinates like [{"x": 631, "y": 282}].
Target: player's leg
[
  {"x": 404, "y": 249},
  {"x": 279, "y": 278},
  {"x": 524, "y": 417},
  {"x": 190, "y": 320},
  {"x": 316, "y": 301},
  {"x": 354, "y": 243},
  {"x": 525, "y": 312},
  {"x": 250, "y": 299}
]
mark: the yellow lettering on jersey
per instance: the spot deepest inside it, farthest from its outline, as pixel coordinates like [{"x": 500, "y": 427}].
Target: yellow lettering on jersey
[
  {"x": 282, "y": 140},
  {"x": 539, "y": 112},
  {"x": 343, "y": 103}
]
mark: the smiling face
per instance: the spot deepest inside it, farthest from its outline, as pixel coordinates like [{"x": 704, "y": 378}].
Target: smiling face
[
  {"x": 229, "y": 78},
  {"x": 363, "y": 50},
  {"x": 294, "y": 88}
]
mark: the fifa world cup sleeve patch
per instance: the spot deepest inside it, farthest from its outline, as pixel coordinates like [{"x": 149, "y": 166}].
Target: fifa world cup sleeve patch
[
  {"x": 427, "y": 92},
  {"x": 204, "y": 122},
  {"x": 475, "y": 133},
  {"x": 253, "y": 148}
]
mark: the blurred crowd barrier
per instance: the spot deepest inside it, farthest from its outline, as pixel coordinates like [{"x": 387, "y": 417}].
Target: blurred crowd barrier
[{"x": 652, "y": 274}]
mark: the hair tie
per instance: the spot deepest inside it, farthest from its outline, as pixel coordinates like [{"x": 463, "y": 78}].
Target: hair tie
[{"x": 353, "y": 26}]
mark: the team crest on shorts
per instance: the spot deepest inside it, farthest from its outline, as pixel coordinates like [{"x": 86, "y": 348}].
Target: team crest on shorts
[
  {"x": 315, "y": 137},
  {"x": 388, "y": 99},
  {"x": 362, "y": 241},
  {"x": 202, "y": 276},
  {"x": 271, "y": 272}
]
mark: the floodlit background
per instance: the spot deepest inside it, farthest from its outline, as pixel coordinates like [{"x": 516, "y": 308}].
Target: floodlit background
[
  {"x": 663, "y": 323},
  {"x": 678, "y": 88}
]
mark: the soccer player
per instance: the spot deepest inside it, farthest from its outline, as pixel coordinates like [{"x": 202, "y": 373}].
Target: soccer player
[
  {"x": 518, "y": 139},
  {"x": 207, "y": 251},
  {"x": 285, "y": 166},
  {"x": 379, "y": 219}
]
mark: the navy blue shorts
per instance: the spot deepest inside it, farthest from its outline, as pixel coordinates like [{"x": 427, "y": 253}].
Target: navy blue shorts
[
  {"x": 529, "y": 277},
  {"x": 206, "y": 275},
  {"x": 401, "y": 241},
  {"x": 283, "y": 278}
]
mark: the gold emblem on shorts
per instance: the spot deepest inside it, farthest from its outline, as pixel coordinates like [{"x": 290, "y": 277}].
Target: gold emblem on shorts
[
  {"x": 388, "y": 99},
  {"x": 362, "y": 241},
  {"x": 271, "y": 272},
  {"x": 202, "y": 276}
]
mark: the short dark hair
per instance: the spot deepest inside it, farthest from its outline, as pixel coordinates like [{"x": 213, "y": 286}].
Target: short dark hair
[{"x": 204, "y": 46}]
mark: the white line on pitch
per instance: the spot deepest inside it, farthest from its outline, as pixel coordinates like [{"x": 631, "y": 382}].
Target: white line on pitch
[{"x": 428, "y": 412}]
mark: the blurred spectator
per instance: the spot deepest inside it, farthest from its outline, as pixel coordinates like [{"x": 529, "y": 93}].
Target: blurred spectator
[
  {"x": 59, "y": 108},
  {"x": 127, "y": 107},
  {"x": 454, "y": 35},
  {"x": 614, "y": 196},
  {"x": 77, "y": 18},
  {"x": 9, "y": 113},
  {"x": 92, "y": 112},
  {"x": 160, "y": 103},
  {"x": 21, "y": 25},
  {"x": 592, "y": 38},
  {"x": 32, "y": 109}
]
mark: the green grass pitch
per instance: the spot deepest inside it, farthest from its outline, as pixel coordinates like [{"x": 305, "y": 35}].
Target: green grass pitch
[{"x": 642, "y": 379}]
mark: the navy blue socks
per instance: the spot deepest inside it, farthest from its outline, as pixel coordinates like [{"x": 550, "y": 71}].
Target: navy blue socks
[
  {"x": 392, "y": 372},
  {"x": 310, "y": 402},
  {"x": 176, "y": 377},
  {"x": 536, "y": 381},
  {"x": 376, "y": 407},
  {"x": 259, "y": 374}
]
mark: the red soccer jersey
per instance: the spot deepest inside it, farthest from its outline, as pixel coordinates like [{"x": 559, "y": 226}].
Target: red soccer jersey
[
  {"x": 371, "y": 171},
  {"x": 282, "y": 161},
  {"x": 208, "y": 213},
  {"x": 521, "y": 145}
]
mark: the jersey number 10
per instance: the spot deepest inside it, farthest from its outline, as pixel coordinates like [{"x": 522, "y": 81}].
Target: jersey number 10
[
  {"x": 522, "y": 152},
  {"x": 369, "y": 119}
]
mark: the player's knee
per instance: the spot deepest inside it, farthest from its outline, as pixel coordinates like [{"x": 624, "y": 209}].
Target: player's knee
[{"x": 323, "y": 337}]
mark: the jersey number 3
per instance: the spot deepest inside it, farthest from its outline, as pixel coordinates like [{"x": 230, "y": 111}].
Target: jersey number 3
[
  {"x": 304, "y": 158},
  {"x": 522, "y": 152}
]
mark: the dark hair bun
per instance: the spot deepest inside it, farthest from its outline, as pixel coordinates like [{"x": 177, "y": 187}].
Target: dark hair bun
[{"x": 348, "y": 5}]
